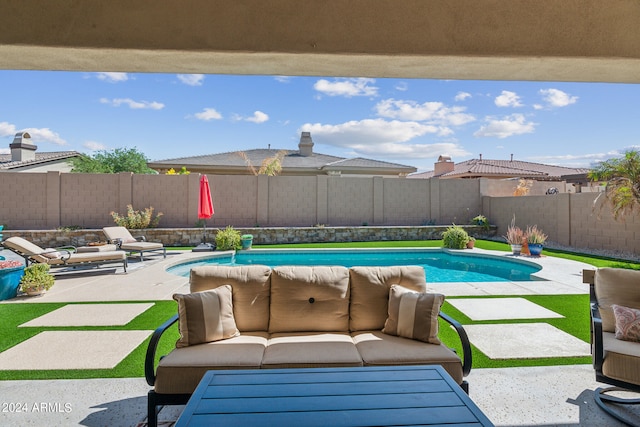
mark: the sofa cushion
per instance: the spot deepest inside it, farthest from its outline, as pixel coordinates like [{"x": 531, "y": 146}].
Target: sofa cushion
[
  {"x": 205, "y": 316},
  {"x": 309, "y": 299},
  {"x": 616, "y": 286},
  {"x": 310, "y": 350},
  {"x": 627, "y": 323},
  {"x": 250, "y": 285},
  {"x": 413, "y": 315},
  {"x": 370, "y": 292},
  {"x": 379, "y": 349},
  {"x": 181, "y": 370},
  {"x": 621, "y": 358}
]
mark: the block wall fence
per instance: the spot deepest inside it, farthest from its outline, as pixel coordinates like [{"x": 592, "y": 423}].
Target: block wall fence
[{"x": 46, "y": 201}]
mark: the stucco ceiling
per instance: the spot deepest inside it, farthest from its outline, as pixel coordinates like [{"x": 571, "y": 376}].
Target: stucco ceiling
[{"x": 557, "y": 40}]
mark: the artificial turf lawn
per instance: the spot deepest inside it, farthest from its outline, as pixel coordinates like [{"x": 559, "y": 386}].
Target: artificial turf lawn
[{"x": 575, "y": 308}]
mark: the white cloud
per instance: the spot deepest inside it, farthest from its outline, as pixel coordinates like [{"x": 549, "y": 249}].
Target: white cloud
[
  {"x": 557, "y": 98},
  {"x": 379, "y": 138},
  {"x": 402, "y": 87},
  {"x": 538, "y": 107},
  {"x": 283, "y": 79},
  {"x": 431, "y": 112},
  {"x": 461, "y": 96},
  {"x": 208, "y": 114},
  {"x": 258, "y": 117},
  {"x": 515, "y": 124},
  {"x": 45, "y": 135},
  {"x": 134, "y": 105},
  {"x": 191, "y": 79},
  {"x": 7, "y": 129},
  {"x": 113, "y": 77},
  {"x": 346, "y": 87},
  {"x": 5, "y": 151},
  {"x": 508, "y": 99},
  {"x": 94, "y": 146}
]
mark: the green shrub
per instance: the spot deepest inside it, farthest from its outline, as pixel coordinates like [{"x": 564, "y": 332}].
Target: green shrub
[
  {"x": 36, "y": 276},
  {"x": 137, "y": 219},
  {"x": 228, "y": 239},
  {"x": 455, "y": 237}
]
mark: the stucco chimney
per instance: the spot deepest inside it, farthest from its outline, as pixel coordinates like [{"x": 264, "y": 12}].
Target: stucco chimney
[
  {"x": 443, "y": 165},
  {"x": 21, "y": 148},
  {"x": 305, "y": 146}
]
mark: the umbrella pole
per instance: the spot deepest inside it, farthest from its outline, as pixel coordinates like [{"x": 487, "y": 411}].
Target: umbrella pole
[{"x": 204, "y": 231}]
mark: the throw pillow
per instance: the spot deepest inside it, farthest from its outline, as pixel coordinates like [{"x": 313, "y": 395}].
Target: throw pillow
[
  {"x": 627, "y": 323},
  {"x": 51, "y": 253},
  {"x": 205, "y": 316},
  {"x": 413, "y": 314}
]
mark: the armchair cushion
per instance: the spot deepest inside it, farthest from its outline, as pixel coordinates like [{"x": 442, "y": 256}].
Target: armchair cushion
[
  {"x": 627, "y": 323},
  {"x": 413, "y": 315},
  {"x": 205, "y": 316}
]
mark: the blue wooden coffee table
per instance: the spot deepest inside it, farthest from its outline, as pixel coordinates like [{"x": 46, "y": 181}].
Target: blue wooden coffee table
[{"x": 367, "y": 396}]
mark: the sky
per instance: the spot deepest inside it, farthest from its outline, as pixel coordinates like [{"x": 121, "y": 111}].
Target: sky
[{"x": 406, "y": 121}]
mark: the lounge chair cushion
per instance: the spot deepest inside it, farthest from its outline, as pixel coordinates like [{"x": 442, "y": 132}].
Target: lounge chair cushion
[
  {"x": 52, "y": 253},
  {"x": 309, "y": 299},
  {"x": 616, "y": 286},
  {"x": 88, "y": 257},
  {"x": 370, "y": 293},
  {"x": 205, "y": 316},
  {"x": 413, "y": 315},
  {"x": 121, "y": 233},
  {"x": 140, "y": 246}
]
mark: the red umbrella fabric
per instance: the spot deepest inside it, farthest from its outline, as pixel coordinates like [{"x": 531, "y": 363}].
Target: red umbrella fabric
[{"x": 205, "y": 204}]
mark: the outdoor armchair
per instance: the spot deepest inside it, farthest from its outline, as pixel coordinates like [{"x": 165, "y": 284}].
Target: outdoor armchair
[
  {"x": 615, "y": 335},
  {"x": 62, "y": 257},
  {"x": 125, "y": 241}
]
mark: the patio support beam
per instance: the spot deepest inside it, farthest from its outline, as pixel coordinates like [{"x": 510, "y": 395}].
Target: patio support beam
[{"x": 561, "y": 40}]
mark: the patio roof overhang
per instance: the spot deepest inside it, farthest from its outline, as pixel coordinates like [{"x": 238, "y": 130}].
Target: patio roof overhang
[{"x": 588, "y": 40}]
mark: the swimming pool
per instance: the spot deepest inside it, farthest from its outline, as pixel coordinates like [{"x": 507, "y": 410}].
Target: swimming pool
[{"x": 440, "y": 265}]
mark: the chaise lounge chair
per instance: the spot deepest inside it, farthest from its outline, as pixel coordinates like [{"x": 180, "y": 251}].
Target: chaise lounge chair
[
  {"x": 125, "y": 241},
  {"x": 66, "y": 257}
]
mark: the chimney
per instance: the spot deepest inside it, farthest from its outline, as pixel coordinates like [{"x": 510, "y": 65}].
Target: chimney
[
  {"x": 512, "y": 157},
  {"x": 305, "y": 146},
  {"x": 443, "y": 165},
  {"x": 480, "y": 156},
  {"x": 21, "y": 148}
]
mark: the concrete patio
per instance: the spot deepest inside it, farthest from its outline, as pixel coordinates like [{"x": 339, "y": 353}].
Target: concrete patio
[{"x": 538, "y": 396}]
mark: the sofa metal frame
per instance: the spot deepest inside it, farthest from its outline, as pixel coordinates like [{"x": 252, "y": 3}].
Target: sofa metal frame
[
  {"x": 598, "y": 354},
  {"x": 159, "y": 399}
]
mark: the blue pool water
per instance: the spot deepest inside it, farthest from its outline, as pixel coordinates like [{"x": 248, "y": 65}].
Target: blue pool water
[{"x": 440, "y": 266}]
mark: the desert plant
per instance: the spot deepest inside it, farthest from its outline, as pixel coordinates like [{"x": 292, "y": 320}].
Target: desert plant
[
  {"x": 36, "y": 278},
  {"x": 137, "y": 219},
  {"x": 455, "y": 237},
  {"x": 524, "y": 185},
  {"x": 482, "y": 221},
  {"x": 228, "y": 239},
  {"x": 535, "y": 235},
  {"x": 271, "y": 166},
  {"x": 515, "y": 235}
]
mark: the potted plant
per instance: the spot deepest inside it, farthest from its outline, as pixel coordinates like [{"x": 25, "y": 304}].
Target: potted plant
[
  {"x": 455, "y": 237},
  {"x": 10, "y": 273},
  {"x": 247, "y": 240},
  {"x": 481, "y": 221},
  {"x": 228, "y": 239},
  {"x": 535, "y": 239},
  {"x": 471, "y": 243},
  {"x": 515, "y": 236},
  {"x": 36, "y": 279}
]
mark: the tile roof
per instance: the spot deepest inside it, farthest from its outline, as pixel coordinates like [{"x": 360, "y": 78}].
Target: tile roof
[
  {"x": 7, "y": 164},
  {"x": 504, "y": 168}
]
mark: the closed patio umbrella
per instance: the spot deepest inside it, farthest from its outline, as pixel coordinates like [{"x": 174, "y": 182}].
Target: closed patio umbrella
[{"x": 205, "y": 211}]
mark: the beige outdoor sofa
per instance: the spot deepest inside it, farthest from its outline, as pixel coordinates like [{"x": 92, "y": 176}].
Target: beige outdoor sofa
[
  {"x": 62, "y": 257},
  {"x": 297, "y": 316},
  {"x": 125, "y": 241}
]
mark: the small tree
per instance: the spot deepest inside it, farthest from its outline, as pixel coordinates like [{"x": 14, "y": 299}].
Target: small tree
[
  {"x": 622, "y": 177},
  {"x": 271, "y": 166},
  {"x": 118, "y": 160}
]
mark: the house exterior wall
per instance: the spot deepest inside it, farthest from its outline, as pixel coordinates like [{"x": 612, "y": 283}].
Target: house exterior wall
[{"x": 45, "y": 201}]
